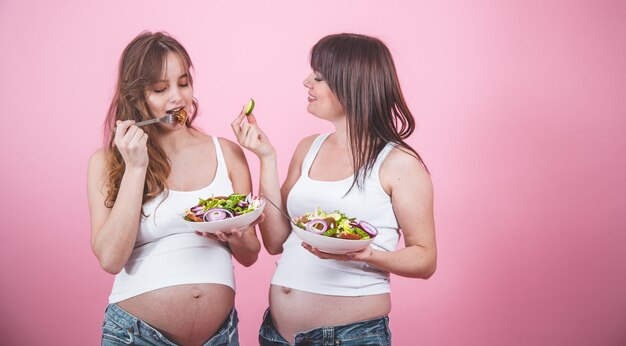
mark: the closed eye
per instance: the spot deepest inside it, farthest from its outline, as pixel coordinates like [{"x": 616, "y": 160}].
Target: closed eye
[
  {"x": 318, "y": 77},
  {"x": 183, "y": 81},
  {"x": 159, "y": 87}
]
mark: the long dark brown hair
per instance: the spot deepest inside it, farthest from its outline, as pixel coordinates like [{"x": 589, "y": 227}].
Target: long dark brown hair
[
  {"x": 361, "y": 73},
  {"x": 141, "y": 65}
]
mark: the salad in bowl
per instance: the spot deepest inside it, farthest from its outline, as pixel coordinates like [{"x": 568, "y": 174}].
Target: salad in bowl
[
  {"x": 222, "y": 213},
  {"x": 334, "y": 232}
]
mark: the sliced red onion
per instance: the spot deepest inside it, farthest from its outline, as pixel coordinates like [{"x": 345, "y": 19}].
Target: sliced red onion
[
  {"x": 252, "y": 201},
  {"x": 366, "y": 227},
  {"x": 311, "y": 226},
  {"x": 198, "y": 210},
  {"x": 217, "y": 214},
  {"x": 242, "y": 204}
]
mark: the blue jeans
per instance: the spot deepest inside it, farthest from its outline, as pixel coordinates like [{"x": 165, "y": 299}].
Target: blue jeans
[
  {"x": 121, "y": 328},
  {"x": 369, "y": 332}
]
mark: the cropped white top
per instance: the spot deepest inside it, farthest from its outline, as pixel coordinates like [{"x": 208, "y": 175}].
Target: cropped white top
[
  {"x": 169, "y": 253},
  {"x": 299, "y": 269}
]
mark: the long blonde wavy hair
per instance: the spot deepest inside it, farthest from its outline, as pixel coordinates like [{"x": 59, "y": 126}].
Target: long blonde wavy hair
[{"x": 141, "y": 65}]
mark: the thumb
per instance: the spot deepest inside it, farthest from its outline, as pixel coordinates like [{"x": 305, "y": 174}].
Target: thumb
[{"x": 251, "y": 119}]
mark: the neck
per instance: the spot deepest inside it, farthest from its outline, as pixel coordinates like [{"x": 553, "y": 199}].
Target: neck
[
  {"x": 173, "y": 141},
  {"x": 340, "y": 136}
]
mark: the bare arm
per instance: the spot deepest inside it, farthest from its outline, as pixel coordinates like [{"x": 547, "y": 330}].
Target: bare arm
[
  {"x": 409, "y": 185},
  {"x": 114, "y": 230},
  {"x": 278, "y": 235},
  {"x": 245, "y": 249},
  {"x": 275, "y": 228},
  {"x": 412, "y": 200}
]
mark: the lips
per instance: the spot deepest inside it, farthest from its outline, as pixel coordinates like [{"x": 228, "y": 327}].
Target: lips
[
  {"x": 179, "y": 113},
  {"x": 175, "y": 109},
  {"x": 311, "y": 98}
]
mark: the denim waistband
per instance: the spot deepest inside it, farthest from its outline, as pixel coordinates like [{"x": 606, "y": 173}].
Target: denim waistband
[
  {"x": 368, "y": 332},
  {"x": 121, "y": 327},
  {"x": 125, "y": 328}
]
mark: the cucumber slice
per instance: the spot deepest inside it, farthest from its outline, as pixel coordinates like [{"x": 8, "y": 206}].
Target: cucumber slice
[{"x": 249, "y": 107}]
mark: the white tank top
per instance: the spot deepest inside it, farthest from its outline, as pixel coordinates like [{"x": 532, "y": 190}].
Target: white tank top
[
  {"x": 169, "y": 253},
  {"x": 299, "y": 269}
]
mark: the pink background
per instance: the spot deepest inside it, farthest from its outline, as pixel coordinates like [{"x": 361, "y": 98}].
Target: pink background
[{"x": 521, "y": 118}]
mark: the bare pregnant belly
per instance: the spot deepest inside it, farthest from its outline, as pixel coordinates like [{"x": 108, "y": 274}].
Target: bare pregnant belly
[
  {"x": 185, "y": 314},
  {"x": 295, "y": 311}
]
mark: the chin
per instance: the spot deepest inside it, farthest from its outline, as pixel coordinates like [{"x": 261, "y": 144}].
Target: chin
[{"x": 309, "y": 109}]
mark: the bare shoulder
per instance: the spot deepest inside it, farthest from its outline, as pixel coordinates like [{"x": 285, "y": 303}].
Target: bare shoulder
[
  {"x": 230, "y": 148},
  {"x": 402, "y": 158},
  {"x": 308, "y": 140},
  {"x": 236, "y": 161},
  {"x": 300, "y": 152},
  {"x": 97, "y": 161},
  {"x": 236, "y": 165},
  {"x": 304, "y": 145},
  {"x": 402, "y": 165},
  {"x": 295, "y": 165}
]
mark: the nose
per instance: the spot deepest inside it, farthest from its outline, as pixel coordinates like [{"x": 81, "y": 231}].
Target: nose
[
  {"x": 175, "y": 95},
  {"x": 307, "y": 81}
]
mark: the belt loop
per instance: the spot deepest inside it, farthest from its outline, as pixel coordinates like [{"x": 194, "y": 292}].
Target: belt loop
[
  {"x": 137, "y": 327},
  {"x": 328, "y": 335}
]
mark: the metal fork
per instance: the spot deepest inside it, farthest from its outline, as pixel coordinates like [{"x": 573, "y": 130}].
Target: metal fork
[
  {"x": 281, "y": 211},
  {"x": 173, "y": 115}
]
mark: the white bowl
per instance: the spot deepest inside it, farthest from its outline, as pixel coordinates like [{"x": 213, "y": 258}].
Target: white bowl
[
  {"x": 240, "y": 222},
  {"x": 332, "y": 245}
]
